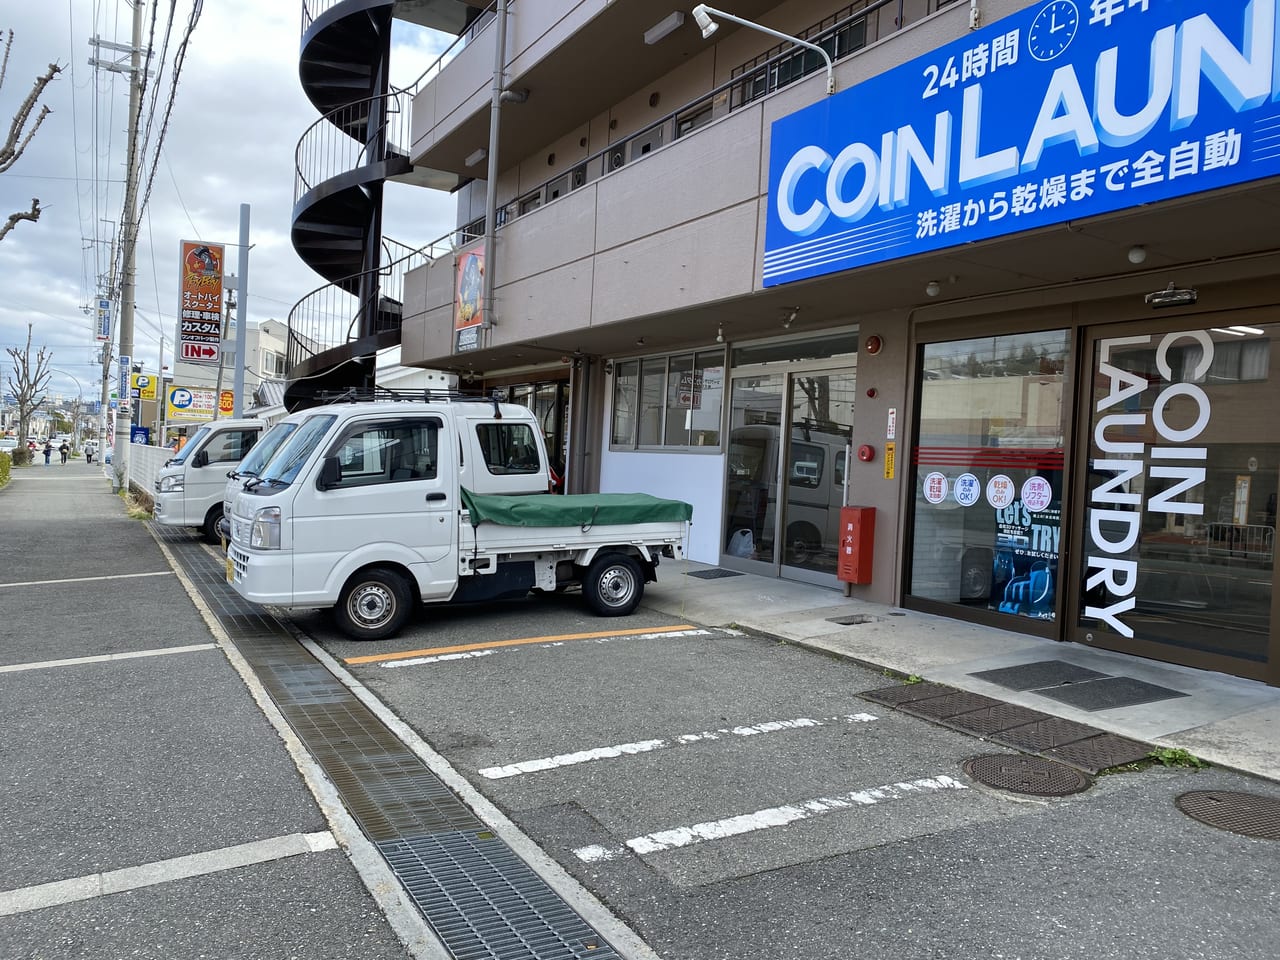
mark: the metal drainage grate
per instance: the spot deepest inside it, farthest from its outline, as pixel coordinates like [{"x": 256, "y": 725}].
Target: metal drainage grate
[
  {"x": 485, "y": 902},
  {"x": 1248, "y": 814},
  {"x": 855, "y": 619},
  {"x": 1022, "y": 774},
  {"x": 715, "y": 573}
]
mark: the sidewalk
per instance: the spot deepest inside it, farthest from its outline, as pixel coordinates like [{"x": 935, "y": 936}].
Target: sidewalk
[
  {"x": 1222, "y": 719},
  {"x": 138, "y": 762}
]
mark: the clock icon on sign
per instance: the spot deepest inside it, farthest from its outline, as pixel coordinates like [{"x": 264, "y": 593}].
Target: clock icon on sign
[{"x": 1053, "y": 29}]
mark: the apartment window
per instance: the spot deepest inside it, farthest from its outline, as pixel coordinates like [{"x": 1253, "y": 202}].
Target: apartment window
[
  {"x": 668, "y": 402},
  {"x": 272, "y": 364}
]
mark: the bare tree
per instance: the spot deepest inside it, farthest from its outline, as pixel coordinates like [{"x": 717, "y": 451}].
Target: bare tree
[
  {"x": 29, "y": 382},
  {"x": 21, "y": 130}
]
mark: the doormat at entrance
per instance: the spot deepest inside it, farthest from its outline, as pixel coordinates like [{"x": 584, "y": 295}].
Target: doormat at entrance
[
  {"x": 715, "y": 573},
  {"x": 1042, "y": 673},
  {"x": 1110, "y": 693}
]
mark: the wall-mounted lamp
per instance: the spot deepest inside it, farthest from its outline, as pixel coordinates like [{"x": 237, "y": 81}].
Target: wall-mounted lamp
[
  {"x": 664, "y": 27},
  {"x": 1137, "y": 254},
  {"x": 720, "y": 333},
  {"x": 702, "y": 15},
  {"x": 639, "y": 341},
  {"x": 790, "y": 318},
  {"x": 1172, "y": 296},
  {"x": 933, "y": 288},
  {"x": 608, "y": 368},
  {"x": 478, "y": 157}
]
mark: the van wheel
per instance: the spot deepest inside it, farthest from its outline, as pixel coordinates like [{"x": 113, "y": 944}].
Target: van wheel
[
  {"x": 613, "y": 585},
  {"x": 210, "y": 527},
  {"x": 373, "y": 605}
]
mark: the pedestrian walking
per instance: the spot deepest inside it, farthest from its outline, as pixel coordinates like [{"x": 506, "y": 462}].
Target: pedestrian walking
[
  {"x": 48, "y": 452},
  {"x": 65, "y": 450}
]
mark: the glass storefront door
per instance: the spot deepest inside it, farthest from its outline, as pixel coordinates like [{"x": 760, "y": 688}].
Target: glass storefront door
[
  {"x": 1178, "y": 496},
  {"x": 790, "y": 432}
]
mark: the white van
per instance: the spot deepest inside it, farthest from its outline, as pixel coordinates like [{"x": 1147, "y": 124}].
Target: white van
[{"x": 190, "y": 487}]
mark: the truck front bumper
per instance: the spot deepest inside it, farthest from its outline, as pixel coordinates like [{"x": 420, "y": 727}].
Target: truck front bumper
[
  {"x": 168, "y": 510},
  {"x": 261, "y": 577}
]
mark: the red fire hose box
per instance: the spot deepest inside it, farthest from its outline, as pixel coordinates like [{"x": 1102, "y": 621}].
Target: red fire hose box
[{"x": 857, "y": 544}]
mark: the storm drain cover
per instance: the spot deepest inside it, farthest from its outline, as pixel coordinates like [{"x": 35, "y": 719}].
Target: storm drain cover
[
  {"x": 1022, "y": 774},
  {"x": 855, "y": 619},
  {"x": 715, "y": 573},
  {"x": 1248, "y": 814}
]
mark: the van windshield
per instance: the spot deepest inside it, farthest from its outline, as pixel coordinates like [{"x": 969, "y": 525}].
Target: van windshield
[
  {"x": 190, "y": 446},
  {"x": 284, "y": 467},
  {"x": 273, "y": 440}
]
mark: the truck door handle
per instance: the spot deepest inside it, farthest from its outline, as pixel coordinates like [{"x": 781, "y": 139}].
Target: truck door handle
[{"x": 435, "y": 496}]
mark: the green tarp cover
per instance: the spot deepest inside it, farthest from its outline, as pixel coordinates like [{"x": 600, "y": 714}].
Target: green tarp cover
[{"x": 584, "y": 509}]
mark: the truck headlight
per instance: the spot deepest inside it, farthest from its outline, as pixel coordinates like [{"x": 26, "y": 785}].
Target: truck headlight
[
  {"x": 171, "y": 484},
  {"x": 265, "y": 533}
]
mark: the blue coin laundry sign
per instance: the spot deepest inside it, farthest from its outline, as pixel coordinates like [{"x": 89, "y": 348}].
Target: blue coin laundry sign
[{"x": 1065, "y": 110}]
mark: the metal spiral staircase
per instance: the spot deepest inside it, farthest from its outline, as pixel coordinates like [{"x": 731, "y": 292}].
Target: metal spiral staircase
[{"x": 342, "y": 162}]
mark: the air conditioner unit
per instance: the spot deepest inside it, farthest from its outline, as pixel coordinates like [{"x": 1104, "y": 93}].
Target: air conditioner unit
[
  {"x": 617, "y": 158},
  {"x": 577, "y": 177}
]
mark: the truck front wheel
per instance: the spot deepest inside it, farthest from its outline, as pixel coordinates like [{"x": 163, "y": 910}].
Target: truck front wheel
[
  {"x": 613, "y": 585},
  {"x": 374, "y": 604}
]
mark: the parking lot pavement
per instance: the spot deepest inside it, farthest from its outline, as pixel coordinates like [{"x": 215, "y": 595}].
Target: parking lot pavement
[{"x": 151, "y": 807}]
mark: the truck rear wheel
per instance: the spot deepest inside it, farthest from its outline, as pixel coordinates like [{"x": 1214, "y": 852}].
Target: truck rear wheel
[
  {"x": 613, "y": 585},
  {"x": 374, "y": 604}
]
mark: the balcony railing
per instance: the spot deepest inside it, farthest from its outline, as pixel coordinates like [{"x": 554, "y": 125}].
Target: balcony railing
[{"x": 842, "y": 34}]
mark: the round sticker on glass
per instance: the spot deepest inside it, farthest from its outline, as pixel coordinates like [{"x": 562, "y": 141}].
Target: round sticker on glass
[
  {"x": 1037, "y": 494},
  {"x": 999, "y": 491},
  {"x": 935, "y": 487},
  {"x": 968, "y": 489}
]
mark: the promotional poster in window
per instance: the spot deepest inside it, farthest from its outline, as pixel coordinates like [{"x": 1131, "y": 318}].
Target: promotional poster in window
[{"x": 1024, "y": 574}]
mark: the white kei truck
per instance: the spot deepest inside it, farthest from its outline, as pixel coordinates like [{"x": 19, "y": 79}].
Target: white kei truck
[
  {"x": 189, "y": 487},
  {"x": 370, "y": 508}
]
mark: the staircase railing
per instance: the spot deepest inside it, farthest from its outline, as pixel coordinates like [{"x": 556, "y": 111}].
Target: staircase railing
[{"x": 329, "y": 316}]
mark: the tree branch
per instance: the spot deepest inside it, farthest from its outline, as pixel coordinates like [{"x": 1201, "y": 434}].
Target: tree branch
[
  {"x": 33, "y": 215},
  {"x": 15, "y": 143}
]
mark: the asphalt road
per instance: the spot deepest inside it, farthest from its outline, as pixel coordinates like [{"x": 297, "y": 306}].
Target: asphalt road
[{"x": 729, "y": 796}]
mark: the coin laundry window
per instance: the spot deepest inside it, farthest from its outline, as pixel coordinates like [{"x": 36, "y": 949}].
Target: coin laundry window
[{"x": 668, "y": 402}]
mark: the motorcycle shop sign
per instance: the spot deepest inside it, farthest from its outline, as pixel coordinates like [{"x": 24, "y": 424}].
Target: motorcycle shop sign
[
  {"x": 1065, "y": 110},
  {"x": 1124, "y": 461}
]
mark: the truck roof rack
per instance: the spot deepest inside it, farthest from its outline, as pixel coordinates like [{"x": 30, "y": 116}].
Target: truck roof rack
[{"x": 384, "y": 394}]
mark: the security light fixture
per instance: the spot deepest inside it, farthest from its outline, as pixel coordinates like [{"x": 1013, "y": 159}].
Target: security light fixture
[
  {"x": 664, "y": 27},
  {"x": 933, "y": 288},
  {"x": 702, "y": 15},
  {"x": 790, "y": 318},
  {"x": 1172, "y": 296},
  {"x": 720, "y": 333},
  {"x": 478, "y": 157},
  {"x": 1137, "y": 254}
]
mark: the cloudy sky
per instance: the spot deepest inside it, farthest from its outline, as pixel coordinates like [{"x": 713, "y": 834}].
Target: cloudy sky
[{"x": 237, "y": 116}]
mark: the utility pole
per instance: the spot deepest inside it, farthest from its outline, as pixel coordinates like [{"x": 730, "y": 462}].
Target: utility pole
[{"x": 129, "y": 230}]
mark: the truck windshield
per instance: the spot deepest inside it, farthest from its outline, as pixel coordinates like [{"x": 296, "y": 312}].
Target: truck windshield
[
  {"x": 251, "y": 466},
  {"x": 283, "y": 468},
  {"x": 190, "y": 446}
]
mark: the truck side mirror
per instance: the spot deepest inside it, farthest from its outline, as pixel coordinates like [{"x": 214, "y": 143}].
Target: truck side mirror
[
  {"x": 201, "y": 459},
  {"x": 330, "y": 474}
]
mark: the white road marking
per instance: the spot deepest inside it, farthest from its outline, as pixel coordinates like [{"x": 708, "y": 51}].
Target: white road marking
[
  {"x": 645, "y": 746},
  {"x": 103, "y": 658},
  {"x": 764, "y": 819},
  {"x": 162, "y": 871},
  {"x": 116, "y": 576},
  {"x": 468, "y": 655}
]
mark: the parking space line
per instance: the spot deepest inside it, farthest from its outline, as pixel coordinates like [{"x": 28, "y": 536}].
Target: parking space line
[
  {"x": 94, "y": 885},
  {"x": 463, "y": 648},
  {"x": 114, "y": 576},
  {"x": 647, "y": 746},
  {"x": 103, "y": 658},
  {"x": 764, "y": 819}
]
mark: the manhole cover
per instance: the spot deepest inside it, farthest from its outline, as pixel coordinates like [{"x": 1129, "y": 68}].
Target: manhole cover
[
  {"x": 1245, "y": 813},
  {"x": 1022, "y": 774}
]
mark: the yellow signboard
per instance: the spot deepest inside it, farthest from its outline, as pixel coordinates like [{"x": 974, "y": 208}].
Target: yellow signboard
[
  {"x": 890, "y": 458},
  {"x": 142, "y": 386}
]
